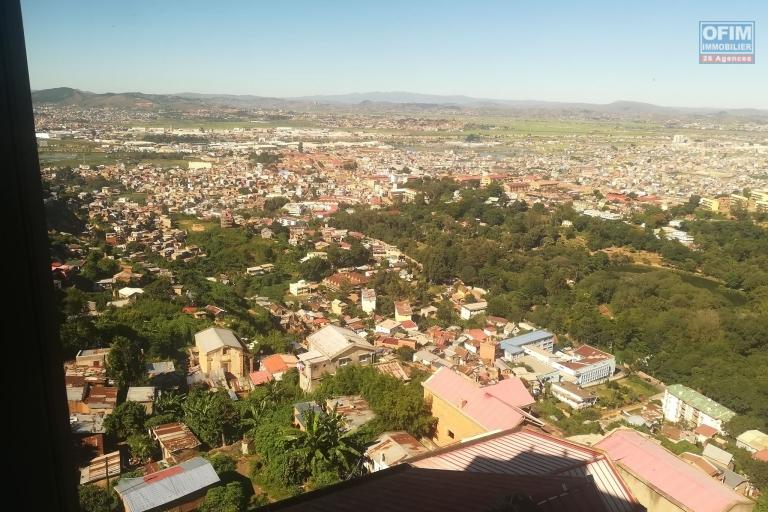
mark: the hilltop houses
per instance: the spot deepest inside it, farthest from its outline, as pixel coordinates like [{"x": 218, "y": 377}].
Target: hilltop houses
[
  {"x": 329, "y": 349},
  {"x": 218, "y": 351}
]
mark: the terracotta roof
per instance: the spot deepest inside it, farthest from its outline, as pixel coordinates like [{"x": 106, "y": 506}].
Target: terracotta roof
[
  {"x": 705, "y": 430},
  {"x": 259, "y": 378},
  {"x": 403, "y": 308},
  {"x": 274, "y": 364}
]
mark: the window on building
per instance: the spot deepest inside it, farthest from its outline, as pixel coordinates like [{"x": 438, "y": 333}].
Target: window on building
[
  {"x": 365, "y": 359},
  {"x": 451, "y": 435},
  {"x": 344, "y": 361}
]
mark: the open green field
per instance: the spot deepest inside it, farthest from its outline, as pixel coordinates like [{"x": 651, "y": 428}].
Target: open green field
[
  {"x": 74, "y": 152},
  {"x": 194, "y": 225}
]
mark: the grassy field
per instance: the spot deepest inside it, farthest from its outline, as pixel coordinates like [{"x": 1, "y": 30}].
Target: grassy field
[
  {"x": 94, "y": 158},
  {"x": 74, "y": 152},
  {"x": 639, "y": 386},
  {"x": 195, "y": 225}
]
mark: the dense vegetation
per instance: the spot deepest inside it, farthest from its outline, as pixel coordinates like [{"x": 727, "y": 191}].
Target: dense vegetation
[{"x": 699, "y": 320}]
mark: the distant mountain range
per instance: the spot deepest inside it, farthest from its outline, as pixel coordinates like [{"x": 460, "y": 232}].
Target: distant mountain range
[{"x": 372, "y": 101}]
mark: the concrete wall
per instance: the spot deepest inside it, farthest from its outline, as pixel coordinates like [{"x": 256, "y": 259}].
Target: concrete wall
[
  {"x": 234, "y": 360},
  {"x": 450, "y": 418}
]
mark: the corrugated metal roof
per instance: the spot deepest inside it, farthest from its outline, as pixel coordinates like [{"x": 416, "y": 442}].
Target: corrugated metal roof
[
  {"x": 525, "y": 339},
  {"x": 155, "y": 490},
  {"x": 493, "y": 407},
  {"x": 215, "y": 338},
  {"x": 754, "y": 439},
  {"x": 527, "y": 452},
  {"x": 405, "y": 487},
  {"x": 140, "y": 394},
  {"x": 670, "y": 476},
  {"x": 175, "y": 436},
  {"x": 331, "y": 340}
]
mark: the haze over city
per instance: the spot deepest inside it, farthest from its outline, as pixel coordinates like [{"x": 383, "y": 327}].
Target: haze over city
[
  {"x": 554, "y": 51},
  {"x": 439, "y": 256}
]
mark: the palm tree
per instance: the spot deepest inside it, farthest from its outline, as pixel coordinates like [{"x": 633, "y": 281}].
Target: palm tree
[
  {"x": 259, "y": 402},
  {"x": 326, "y": 443}
]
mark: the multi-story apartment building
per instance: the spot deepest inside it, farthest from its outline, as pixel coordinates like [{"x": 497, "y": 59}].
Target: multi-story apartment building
[{"x": 682, "y": 403}]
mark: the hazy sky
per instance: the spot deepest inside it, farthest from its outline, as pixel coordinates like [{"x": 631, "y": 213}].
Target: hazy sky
[{"x": 564, "y": 51}]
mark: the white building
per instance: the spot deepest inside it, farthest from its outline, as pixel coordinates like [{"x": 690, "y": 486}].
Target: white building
[
  {"x": 753, "y": 441},
  {"x": 471, "y": 310},
  {"x": 572, "y": 395},
  {"x": 329, "y": 349},
  {"x": 682, "y": 403},
  {"x": 300, "y": 287},
  {"x": 368, "y": 300},
  {"x": 587, "y": 366}
]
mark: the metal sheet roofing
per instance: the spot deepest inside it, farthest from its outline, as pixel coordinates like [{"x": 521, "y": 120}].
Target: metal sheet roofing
[
  {"x": 701, "y": 402},
  {"x": 527, "y": 452},
  {"x": 158, "y": 489},
  {"x": 331, "y": 340},
  {"x": 405, "y": 487},
  {"x": 215, "y": 338},
  {"x": 525, "y": 339},
  {"x": 495, "y": 407},
  {"x": 175, "y": 436},
  {"x": 663, "y": 471}
]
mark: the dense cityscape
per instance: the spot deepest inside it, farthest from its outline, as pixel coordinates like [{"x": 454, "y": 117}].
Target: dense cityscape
[{"x": 260, "y": 302}]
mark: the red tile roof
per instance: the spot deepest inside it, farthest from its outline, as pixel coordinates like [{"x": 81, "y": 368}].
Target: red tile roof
[
  {"x": 274, "y": 364},
  {"x": 260, "y": 377},
  {"x": 705, "y": 430},
  {"x": 477, "y": 334}
]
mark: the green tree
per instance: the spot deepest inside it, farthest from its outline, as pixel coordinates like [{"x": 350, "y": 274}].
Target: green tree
[
  {"x": 93, "y": 498},
  {"x": 223, "y": 463},
  {"x": 142, "y": 448},
  {"x": 325, "y": 444},
  {"x": 161, "y": 289},
  {"x": 211, "y": 415},
  {"x": 315, "y": 269},
  {"x": 73, "y": 302},
  {"x": 124, "y": 362},
  {"x": 226, "y": 498},
  {"x": 126, "y": 419}
]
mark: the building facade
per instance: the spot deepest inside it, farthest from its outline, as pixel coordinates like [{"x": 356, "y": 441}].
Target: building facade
[
  {"x": 219, "y": 351},
  {"x": 683, "y": 404},
  {"x": 329, "y": 349}
]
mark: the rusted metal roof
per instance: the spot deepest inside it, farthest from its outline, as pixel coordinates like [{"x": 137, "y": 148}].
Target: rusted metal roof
[{"x": 175, "y": 437}]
